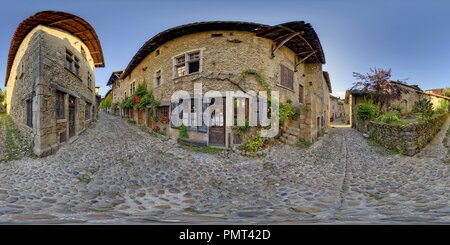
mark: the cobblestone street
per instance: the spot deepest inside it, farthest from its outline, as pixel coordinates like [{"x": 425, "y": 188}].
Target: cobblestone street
[{"x": 117, "y": 173}]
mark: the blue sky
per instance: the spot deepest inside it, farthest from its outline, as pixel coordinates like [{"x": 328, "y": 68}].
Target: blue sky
[{"x": 411, "y": 37}]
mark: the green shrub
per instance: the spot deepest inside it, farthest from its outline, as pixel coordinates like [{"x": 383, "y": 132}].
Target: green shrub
[
  {"x": 397, "y": 108},
  {"x": 443, "y": 105},
  {"x": 389, "y": 117},
  {"x": 366, "y": 111},
  {"x": 287, "y": 111},
  {"x": 254, "y": 144},
  {"x": 182, "y": 131},
  {"x": 423, "y": 107}
]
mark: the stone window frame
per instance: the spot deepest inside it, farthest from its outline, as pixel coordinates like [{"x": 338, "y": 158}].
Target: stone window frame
[
  {"x": 301, "y": 93},
  {"x": 89, "y": 80},
  {"x": 76, "y": 66},
  {"x": 132, "y": 87},
  {"x": 187, "y": 60},
  {"x": 74, "y": 62},
  {"x": 69, "y": 60},
  {"x": 158, "y": 78},
  {"x": 62, "y": 107},
  {"x": 29, "y": 106}
]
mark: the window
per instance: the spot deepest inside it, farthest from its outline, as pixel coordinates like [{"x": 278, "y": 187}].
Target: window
[
  {"x": 193, "y": 62},
  {"x": 76, "y": 67},
  {"x": 301, "y": 94},
  {"x": 69, "y": 60},
  {"x": 163, "y": 111},
  {"x": 241, "y": 111},
  {"x": 188, "y": 115},
  {"x": 132, "y": 88},
  {"x": 87, "y": 111},
  {"x": 72, "y": 63},
  {"x": 59, "y": 106},
  {"x": 186, "y": 64},
  {"x": 180, "y": 66},
  {"x": 286, "y": 77},
  {"x": 62, "y": 137},
  {"x": 29, "y": 105},
  {"x": 158, "y": 78},
  {"x": 89, "y": 79}
]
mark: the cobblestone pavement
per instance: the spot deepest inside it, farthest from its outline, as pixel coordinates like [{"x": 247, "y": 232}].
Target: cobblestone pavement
[{"x": 117, "y": 173}]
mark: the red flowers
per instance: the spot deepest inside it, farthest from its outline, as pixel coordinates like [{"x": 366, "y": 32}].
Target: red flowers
[
  {"x": 163, "y": 119},
  {"x": 137, "y": 100},
  {"x": 155, "y": 128}
]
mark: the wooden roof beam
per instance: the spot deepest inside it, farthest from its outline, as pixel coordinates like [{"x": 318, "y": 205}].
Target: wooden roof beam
[
  {"x": 59, "y": 21},
  {"x": 284, "y": 42},
  {"x": 311, "y": 53}
]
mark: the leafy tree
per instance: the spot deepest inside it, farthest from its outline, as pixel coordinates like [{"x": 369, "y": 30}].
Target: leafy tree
[
  {"x": 447, "y": 92},
  {"x": 366, "y": 110},
  {"x": 2, "y": 98},
  {"x": 379, "y": 85},
  {"x": 106, "y": 103},
  {"x": 424, "y": 107}
]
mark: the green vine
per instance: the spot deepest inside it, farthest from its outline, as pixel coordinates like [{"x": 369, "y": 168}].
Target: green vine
[
  {"x": 146, "y": 99},
  {"x": 259, "y": 77}
]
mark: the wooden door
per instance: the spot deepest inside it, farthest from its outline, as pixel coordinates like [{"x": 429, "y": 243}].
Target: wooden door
[
  {"x": 72, "y": 115},
  {"x": 217, "y": 129},
  {"x": 140, "y": 117}
]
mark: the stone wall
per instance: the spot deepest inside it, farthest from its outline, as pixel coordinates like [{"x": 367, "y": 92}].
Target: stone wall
[
  {"x": 408, "y": 139},
  {"x": 223, "y": 58}
]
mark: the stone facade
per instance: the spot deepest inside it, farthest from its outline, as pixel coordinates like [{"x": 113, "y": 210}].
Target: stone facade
[
  {"x": 223, "y": 58},
  {"x": 337, "y": 108},
  {"x": 38, "y": 72}
]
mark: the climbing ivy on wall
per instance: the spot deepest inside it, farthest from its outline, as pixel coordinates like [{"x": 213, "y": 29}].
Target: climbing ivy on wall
[{"x": 259, "y": 77}]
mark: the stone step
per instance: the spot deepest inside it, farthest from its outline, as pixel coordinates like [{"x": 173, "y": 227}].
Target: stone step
[
  {"x": 292, "y": 131},
  {"x": 291, "y": 137}
]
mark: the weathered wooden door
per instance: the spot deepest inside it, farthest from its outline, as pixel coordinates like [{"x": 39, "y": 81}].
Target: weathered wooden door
[
  {"x": 217, "y": 129},
  {"x": 140, "y": 117},
  {"x": 72, "y": 115}
]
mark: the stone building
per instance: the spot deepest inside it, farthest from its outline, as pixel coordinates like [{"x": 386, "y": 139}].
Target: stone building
[
  {"x": 50, "y": 78},
  {"x": 289, "y": 56},
  {"x": 117, "y": 92},
  {"x": 337, "y": 108}
]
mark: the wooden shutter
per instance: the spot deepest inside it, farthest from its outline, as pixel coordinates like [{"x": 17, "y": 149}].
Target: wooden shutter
[{"x": 286, "y": 77}]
